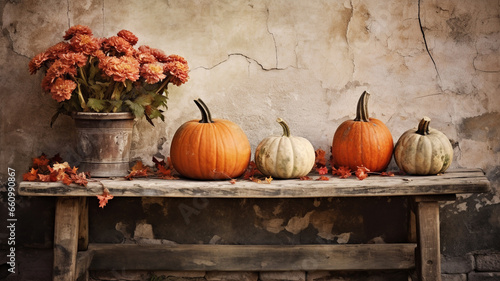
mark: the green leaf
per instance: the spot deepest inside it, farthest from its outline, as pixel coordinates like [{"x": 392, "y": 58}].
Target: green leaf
[
  {"x": 94, "y": 69},
  {"x": 144, "y": 100},
  {"x": 159, "y": 100},
  {"x": 129, "y": 85},
  {"x": 136, "y": 108},
  {"x": 117, "y": 91},
  {"x": 115, "y": 105},
  {"x": 96, "y": 104},
  {"x": 96, "y": 87},
  {"x": 155, "y": 113}
]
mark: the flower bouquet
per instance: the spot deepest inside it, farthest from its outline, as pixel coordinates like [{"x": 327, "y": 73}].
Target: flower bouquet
[{"x": 89, "y": 74}]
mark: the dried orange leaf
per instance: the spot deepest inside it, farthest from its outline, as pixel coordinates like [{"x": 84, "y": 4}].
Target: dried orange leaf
[
  {"x": 31, "y": 175},
  {"x": 104, "y": 198}
]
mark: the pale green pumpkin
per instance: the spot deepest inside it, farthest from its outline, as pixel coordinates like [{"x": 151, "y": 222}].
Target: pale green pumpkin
[
  {"x": 286, "y": 156},
  {"x": 423, "y": 150}
]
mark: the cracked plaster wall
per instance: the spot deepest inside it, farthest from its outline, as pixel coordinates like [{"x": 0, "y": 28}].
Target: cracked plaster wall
[{"x": 304, "y": 61}]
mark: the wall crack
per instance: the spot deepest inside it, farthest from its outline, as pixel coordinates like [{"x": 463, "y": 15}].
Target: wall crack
[
  {"x": 68, "y": 14},
  {"x": 425, "y": 41},
  {"x": 103, "y": 17},
  {"x": 348, "y": 28},
  {"x": 249, "y": 59},
  {"x": 274, "y": 39}
]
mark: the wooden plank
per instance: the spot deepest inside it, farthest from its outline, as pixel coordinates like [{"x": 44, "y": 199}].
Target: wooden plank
[
  {"x": 83, "y": 262},
  {"x": 252, "y": 257},
  {"x": 66, "y": 238},
  {"x": 430, "y": 198},
  {"x": 83, "y": 225},
  {"x": 429, "y": 257},
  {"x": 453, "y": 182}
]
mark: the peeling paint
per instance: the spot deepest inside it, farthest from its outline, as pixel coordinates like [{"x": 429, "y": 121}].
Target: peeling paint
[
  {"x": 273, "y": 225},
  {"x": 121, "y": 227},
  {"x": 143, "y": 230},
  {"x": 149, "y": 202},
  {"x": 484, "y": 201},
  {"x": 323, "y": 222},
  {"x": 461, "y": 207},
  {"x": 297, "y": 224},
  {"x": 343, "y": 238}
]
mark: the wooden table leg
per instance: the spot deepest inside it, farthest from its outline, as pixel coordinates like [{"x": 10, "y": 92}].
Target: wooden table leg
[
  {"x": 83, "y": 227},
  {"x": 84, "y": 257},
  {"x": 66, "y": 238},
  {"x": 428, "y": 249}
]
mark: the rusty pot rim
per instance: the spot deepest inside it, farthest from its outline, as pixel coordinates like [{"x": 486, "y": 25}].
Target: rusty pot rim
[{"x": 103, "y": 116}]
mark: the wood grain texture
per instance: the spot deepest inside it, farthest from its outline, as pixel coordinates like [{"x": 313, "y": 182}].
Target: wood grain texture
[
  {"x": 66, "y": 238},
  {"x": 83, "y": 261},
  {"x": 452, "y": 182},
  {"x": 252, "y": 257},
  {"x": 429, "y": 261},
  {"x": 83, "y": 225}
]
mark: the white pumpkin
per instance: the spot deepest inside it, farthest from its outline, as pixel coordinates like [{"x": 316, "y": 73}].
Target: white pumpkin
[
  {"x": 423, "y": 150},
  {"x": 284, "y": 156}
]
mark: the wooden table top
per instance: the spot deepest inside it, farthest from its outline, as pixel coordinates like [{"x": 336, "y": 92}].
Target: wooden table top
[{"x": 452, "y": 182}]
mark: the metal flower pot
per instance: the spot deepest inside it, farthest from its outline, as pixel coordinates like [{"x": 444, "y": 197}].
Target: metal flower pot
[{"x": 103, "y": 142}]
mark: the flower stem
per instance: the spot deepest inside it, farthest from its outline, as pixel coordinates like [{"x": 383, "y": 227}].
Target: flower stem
[
  {"x": 163, "y": 85},
  {"x": 110, "y": 90},
  {"x": 83, "y": 104}
]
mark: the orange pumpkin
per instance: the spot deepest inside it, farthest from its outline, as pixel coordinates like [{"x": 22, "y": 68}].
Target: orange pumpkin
[
  {"x": 209, "y": 149},
  {"x": 362, "y": 141}
]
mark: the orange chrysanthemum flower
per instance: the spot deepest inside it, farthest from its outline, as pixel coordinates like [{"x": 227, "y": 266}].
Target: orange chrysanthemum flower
[
  {"x": 144, "y": 58},
  {"x": 152, "y": 72},
  {"x": 128, "y": 36},
  {"x": 99, "y": 54},
  {"x": 89, "y": 64},
  {"x": 77, "y": 29},
  {"x": 158, "y": 54},
  {"x": 61, "y": 90},
  {"x": 82, "y": 43},
  {"x": 59, "y": 48},
  {"x": 120, "y": 69},
  {"x": 178, "y": 58},
  {"x": 179, "y": 72},
  {"x": 36, "y": 63},
  {"x": 118, "y": 44},
  {"x": 77, "y": 59},
  {"x": 60, "y": 68}
]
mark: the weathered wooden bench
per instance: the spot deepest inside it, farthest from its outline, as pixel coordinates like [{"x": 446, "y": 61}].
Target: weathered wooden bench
[{"x": 74, "y": 256}]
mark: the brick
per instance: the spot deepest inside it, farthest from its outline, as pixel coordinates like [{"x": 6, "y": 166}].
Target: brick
[
  {"x": 451, "y": 265},
  {"x": 488, "y": 262},
  {"x": 283, "y": 276},
  {"x": 454, "y": 277},
  {"x": 231, "y": 276},
  {"x": 484, "y": 276}
]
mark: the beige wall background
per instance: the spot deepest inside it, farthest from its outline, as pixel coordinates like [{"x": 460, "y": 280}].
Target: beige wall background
[{"x": 305, "y": 61}]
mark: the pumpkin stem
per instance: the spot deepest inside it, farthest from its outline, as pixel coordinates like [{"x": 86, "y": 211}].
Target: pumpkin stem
[
  {"x": 206, "y": 117},
  {"x": 362, "y": 108},
  {"x": 423, "y": 126},
  {"x": 286, "y": 129}
]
